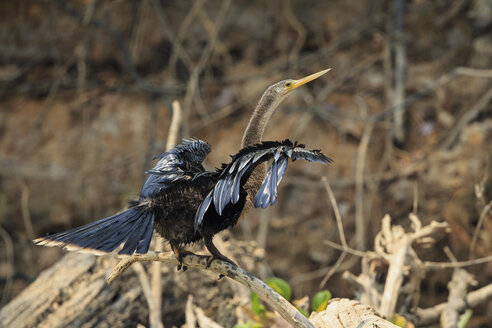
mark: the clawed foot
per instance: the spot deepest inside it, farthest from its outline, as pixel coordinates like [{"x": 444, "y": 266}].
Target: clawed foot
[
  {"x": 180, "y": 254},
  {"x": 182, "y": 267}
]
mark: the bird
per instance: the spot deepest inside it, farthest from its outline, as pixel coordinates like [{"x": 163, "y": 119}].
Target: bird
[{"x": 184, "y": 203}]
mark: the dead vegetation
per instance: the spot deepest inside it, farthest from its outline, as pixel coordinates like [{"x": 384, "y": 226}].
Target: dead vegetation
[{"x": 86, "y": 89}]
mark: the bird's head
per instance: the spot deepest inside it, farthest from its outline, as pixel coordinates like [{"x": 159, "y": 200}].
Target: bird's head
[
  {"x": 271, "y": 98},
  {"x": 283, "y": 88}
]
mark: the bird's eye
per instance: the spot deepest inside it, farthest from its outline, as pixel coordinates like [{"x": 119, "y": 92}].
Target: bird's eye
[{"x": 288, "y": 84}]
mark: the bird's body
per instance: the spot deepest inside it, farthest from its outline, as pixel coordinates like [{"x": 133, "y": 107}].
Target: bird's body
[{"x": 184, "y": 203}]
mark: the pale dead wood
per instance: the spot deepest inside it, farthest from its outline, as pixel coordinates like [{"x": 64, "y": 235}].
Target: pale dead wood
[
  {"x": 189, "y": 314},
  {"x": 474, "y": 298},
  {"x": 394, "y": 250},
  {"x": 457, "y": 294},
  {"x": 344, "y": 313},
  {"x": 394, "y": 244},
  {"x": 154, "y": 312},
  {"x": 204, "y": 321},
  {"x": 24, "y": 310}
]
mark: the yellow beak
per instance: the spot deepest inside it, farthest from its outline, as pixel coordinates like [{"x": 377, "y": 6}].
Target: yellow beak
[{"x": 304, "y": 80}]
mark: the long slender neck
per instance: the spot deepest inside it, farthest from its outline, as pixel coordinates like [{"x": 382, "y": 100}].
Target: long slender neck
[{"x": 259, "y": 120}]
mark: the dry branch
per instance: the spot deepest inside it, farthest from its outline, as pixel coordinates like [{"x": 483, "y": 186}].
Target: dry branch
[
  {"x": 156, "y": 272},
  {"x": 268, "y": 295},
  {"x": 467, "y": 117},
  {"x": 457, "y": 296},
  {"x": 474, "y": 298},
  {"x": 351, "y": 313},
  {"x": 360, "y": 226},
  {"x": 341, "y": 232}
]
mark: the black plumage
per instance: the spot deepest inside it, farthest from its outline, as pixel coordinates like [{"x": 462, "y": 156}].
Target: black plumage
[{"x": 184, "y": 203}]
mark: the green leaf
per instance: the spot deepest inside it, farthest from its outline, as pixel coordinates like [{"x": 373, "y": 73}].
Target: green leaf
[
  {"x": 249, "y": 324},
  {"x": 256, "y": 305},
  {"x": 280, "y": 286},
  {"x": 465, "y": 318},
  {"x": 399, "y": 320},
  {"x": 320, "y": 300},
  {"x": 304, "y": 312}
]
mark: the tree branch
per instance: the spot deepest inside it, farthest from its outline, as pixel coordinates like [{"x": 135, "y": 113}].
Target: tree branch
[{"x": 267, "y": 294}]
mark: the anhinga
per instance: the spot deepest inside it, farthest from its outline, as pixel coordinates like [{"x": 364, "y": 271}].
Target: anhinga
[{"x": 184, "y": 203}]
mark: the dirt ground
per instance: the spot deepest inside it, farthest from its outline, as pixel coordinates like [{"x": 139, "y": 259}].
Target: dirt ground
[{"x": 405, "y": 113}]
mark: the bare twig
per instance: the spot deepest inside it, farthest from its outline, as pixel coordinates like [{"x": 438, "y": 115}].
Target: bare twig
[
  {"x": 268, "y": 295},
  {"x": 347, "y": 249},
  {"x": 474, "y": 72},
  {"x": 336, "y": 211},
  {"x": 400, "y": 67},
  {"x": 204, "y": 321},
  {"x": 457, "y": 294},
  {"x": 120, "y": 44},
  {"x": 415, "y": 205},
  {"x": 178, "y": 50},
  {"x": 360, "y": 226},
  {"x": 177, "y": 47},
  {"x": 192, "y": 88},
  {"x": 455, "y": 8},
  {"x": 397, "y": 245},
  {"x": 9, "y": 249},
  {"x": 300, "y": 29},
  {"x": 341, "y": 232},
  {"x": 154, "y": 312},
  {"x": 466, "y": 118},
  {"x": 460, "y": 264},
  {"x": 481, "y": 218},
  {"x": 26, "y": 213},
  {"x": 474, "y": 298},
  {"x": 189, "y": 314},
  {"x": 442, "y": 80},
  {"x": 220, "y": 48},
  {"x": 177, "y": 119}
]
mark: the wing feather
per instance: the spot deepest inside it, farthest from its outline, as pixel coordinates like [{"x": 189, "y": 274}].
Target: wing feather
[
  {"x": 183, "y": 162},
  {"x": 228, "y": 187}
]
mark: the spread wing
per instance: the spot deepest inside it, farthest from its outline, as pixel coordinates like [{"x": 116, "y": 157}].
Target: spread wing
[
  {"x": 227, "y": 188},
  {"x": 182, "y": 162}
]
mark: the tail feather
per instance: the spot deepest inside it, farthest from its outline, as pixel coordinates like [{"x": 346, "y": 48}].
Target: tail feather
[
  {"x": 135, "y": 237},
  {"x": 133, "y": 227},
  {"x": 143, "y": 246}
]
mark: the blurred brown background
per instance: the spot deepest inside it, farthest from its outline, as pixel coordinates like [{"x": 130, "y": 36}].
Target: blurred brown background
[{"x": 85, "y": 101}]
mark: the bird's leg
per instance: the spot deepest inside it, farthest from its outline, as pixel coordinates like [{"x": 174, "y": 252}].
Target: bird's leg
[
  {"x": 216, "y": 254},
  {"x": 180, "y": 253}
]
